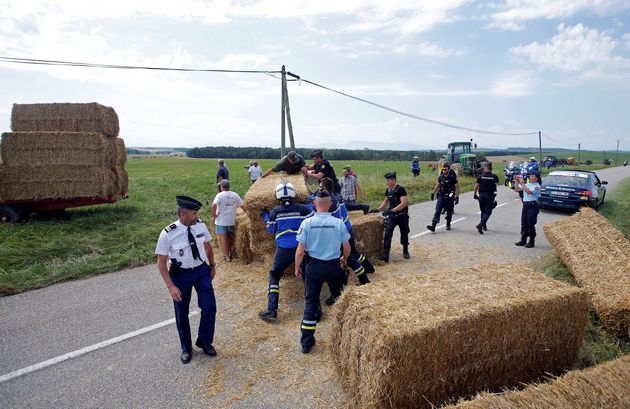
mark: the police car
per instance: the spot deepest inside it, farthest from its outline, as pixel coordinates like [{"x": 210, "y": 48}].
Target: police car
[{"x": 572, "y": 189}]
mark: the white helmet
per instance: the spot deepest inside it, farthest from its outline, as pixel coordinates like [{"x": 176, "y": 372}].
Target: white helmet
[{"x": 285, "y": 190}]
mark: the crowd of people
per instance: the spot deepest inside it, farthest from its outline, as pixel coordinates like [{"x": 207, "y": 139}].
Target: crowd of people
[{"x": 316, "y": 236}]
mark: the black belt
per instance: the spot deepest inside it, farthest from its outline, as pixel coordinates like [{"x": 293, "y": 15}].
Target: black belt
[
  {"x": 531, "y": 202},
  {"x": 334, "y": 260}
]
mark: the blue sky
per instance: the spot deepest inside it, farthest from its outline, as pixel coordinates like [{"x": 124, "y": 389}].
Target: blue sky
[{"x": 562, "y": 67}]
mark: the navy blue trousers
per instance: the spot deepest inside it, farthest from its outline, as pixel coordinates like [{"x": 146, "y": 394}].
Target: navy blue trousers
[
  {"x": 317, "y": 273},
  {"x": 198, "y": 277},
  {"x": 486, "y": 200},
  {"x": 443, "y": 202},
  {"x": 529, "y": 217},
  {"x": 391, "y": 221},
  {"x": 282, "y": 260}
]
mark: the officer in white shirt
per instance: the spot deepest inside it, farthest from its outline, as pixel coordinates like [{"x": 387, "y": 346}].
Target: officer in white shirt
[{"x": 186, "y": 243}]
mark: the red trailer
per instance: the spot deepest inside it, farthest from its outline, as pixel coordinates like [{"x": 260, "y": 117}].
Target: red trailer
[{"x": 15, "y": 211}]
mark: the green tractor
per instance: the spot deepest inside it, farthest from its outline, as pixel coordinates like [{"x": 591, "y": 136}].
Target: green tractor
[{"x": 462, "y": 160}]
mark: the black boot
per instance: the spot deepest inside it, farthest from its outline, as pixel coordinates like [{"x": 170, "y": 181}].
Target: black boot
[
  {"x": 369, "y": 268},
  {"x": 522, "y": 242},
  {"x": 480, "y": 228},
  {"x": 530, "y": 244},
  {"x": 448, "y": 225},
  {"x": 406, "y": 251},
  {"x": 485, "y": 227},
  {"x": 365, "y": 208},
  {"x": 431, "y": 226},
  {"x": 384, "y": 257},
  {"x": 268, "y": 315}
]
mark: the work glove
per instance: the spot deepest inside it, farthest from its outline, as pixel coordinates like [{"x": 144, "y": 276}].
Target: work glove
[
  {"x": 387, "y": 213},
  {"x": 476, "y": 196},
  {"x": 373, "y": 211},
  {"x": 456, "y": 200},
  {"x": 432, "y": 196}
]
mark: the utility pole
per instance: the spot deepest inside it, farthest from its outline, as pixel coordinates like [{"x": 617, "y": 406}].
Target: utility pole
[
  {"x": 540, "y": 149},
  {"x": 282, "y": 115},
  {"x": 285, "y": 114},
  {"x": 617, "y": 153},
  {"x": 579, "y": 153}
]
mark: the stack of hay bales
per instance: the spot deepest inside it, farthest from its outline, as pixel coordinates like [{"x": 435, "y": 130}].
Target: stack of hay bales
[
  {"x": 603, "y": 386},
  {"x": 417, "y": 341},
  {"x": 598, "y": 256},
  {"x": 62, "y": 151},
  {"x": 368, "y": 231}
]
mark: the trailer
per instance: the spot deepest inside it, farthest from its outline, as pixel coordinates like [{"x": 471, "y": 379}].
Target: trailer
[{"x": 18, "y": 210}]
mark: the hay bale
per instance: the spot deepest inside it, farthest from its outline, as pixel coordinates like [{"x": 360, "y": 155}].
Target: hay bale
[
  {"x": 602, "y": 386},
  {"x": 121, "y": 181},
  {"x": 368, "y": 231},
  {"x": 121, "y": 153},
  {"x": 261, "y": 195},
  {"x": 65, "y": 117},
  {"x": 241, "y": 237},
  {"x": 413, "y": 341},
  {"x": 38, "y": 182},
  {"x": 598, "y": 256},
  {"x": 58, "y": 148}
]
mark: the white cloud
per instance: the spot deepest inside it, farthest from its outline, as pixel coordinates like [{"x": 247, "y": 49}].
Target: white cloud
[
  {"x": 514, "y": 12},
  {"x": 514, "y": 84},
  {"x": 576, "y": 49}
]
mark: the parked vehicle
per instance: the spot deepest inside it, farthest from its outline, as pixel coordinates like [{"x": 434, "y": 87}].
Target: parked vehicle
[{"x": 572, "y": 189}]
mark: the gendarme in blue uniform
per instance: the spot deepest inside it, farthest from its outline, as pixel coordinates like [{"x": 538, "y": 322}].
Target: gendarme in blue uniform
[
  {"x": 322, "y": 236},
  {"x": 529, "y": 214}
]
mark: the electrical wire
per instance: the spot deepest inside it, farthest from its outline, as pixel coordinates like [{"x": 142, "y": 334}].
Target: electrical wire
[
  {"x": 433, "y": 121},
  {"x": 34, "y": 61}
]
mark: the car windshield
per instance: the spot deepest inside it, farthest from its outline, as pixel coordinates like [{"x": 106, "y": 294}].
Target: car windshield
[{"x": 566, "y": 180}]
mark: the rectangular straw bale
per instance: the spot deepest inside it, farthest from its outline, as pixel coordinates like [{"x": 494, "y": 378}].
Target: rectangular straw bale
[
  {"x": 262, "y": 195},
  {"x": 121, "y": 181},
  {"x": 603, "y": 386},
  {"x": 68, "y": 117},
  {"x": 38, "y": 182},
  {"x": 598, "y": 256},
  {"x": 58, "y": 148},
  {"x": 121, "y": 153},
  {"x": 368, "y": 232},
  {"x": 413, "y": 341},
  {"x": 241, "y": 237}
]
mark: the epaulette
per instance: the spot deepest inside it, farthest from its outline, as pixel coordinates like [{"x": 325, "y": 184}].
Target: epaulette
[
  {"x": 170, "y": 228},
  {"x": 199, "y": 221}
]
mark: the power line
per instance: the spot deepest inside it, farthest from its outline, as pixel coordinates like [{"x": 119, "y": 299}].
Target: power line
[
  {"x": 433, "y": 121},
  {"x": 34, "y": 61}
]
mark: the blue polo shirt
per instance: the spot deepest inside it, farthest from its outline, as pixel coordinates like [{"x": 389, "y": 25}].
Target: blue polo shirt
[
  {"x": 535, "y": 188},
  {"x": 323, "y": 235}
]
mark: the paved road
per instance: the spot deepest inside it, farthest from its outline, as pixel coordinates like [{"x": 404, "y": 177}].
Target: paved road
[{"x": 54, "y": 324}]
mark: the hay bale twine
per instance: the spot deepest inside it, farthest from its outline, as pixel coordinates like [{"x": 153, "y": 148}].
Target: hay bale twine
[
  {"x": 417, "y": 341},
  {"x": 261, "y": 195},
  {"x": 65, "y": 117},
  {"x": 58, "y": 148},
  {"x": 368, "y": 231},
  {"x": 598, "y": 256},
  {"x": 603, "y": 386}
]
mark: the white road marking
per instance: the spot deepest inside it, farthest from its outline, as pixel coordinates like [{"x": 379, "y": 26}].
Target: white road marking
[
  {"x": 437, "y": 227},
  {"x": 88, "y": 349},
  {"x": 502, "y": 204}
]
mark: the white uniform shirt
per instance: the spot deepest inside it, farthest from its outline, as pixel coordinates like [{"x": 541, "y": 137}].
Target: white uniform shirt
[
  {"x": 227, "y": 202},
  {"x": 255, "y": 172},
  {"x": 173, "y": 242}
]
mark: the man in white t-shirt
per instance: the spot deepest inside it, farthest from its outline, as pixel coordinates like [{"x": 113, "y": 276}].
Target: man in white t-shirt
[
  {"x": 224, "y": 215},
  {"x": 255, "y": 171}
]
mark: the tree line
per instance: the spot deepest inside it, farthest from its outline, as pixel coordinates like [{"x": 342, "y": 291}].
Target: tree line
[{"x": 232, "y": 152}]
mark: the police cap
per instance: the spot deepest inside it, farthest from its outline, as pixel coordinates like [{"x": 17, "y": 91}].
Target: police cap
[
  {"x": 390, "y": 175},
  {"x": 317, "y": 153},
  {"x": 189, "y": 203}
]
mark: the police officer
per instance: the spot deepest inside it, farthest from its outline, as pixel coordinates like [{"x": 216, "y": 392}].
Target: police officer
[
  {"x": 283, "y": 222},
  {"x": 322, "y": 168},
  {"x": 322, "y": 235},
  {"x": 292, "y": 163},
  {"x": 359, "y": 264},
  {"x": 187, "y": 244},
  {"x": 447, "y": 189},
  {"x": 529, "y": 214},
  {"x": 396, "y": 215},
  {"x": 486, "y": 186}
]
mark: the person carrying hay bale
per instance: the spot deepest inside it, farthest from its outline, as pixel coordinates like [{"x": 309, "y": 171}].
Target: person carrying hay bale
[
  {"x": 187, "y": 243},
  {"x": 322, "y": 235},
  {"x": 396, "y": 215},
  {"x": 291, "y": 163},
  {"x": 224, "y": 215},
  {"x": 283, "y": 222}
]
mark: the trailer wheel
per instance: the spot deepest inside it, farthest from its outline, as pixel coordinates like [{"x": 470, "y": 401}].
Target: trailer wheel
[{"x": 10, "y": 214}]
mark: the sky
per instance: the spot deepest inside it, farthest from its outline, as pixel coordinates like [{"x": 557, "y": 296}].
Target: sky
[{"x": 505, "y": 66}]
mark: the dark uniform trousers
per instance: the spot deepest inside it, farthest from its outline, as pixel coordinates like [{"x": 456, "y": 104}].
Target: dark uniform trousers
[
  {"x": 357, "y": 261},
  {"x": 391, "y": 221},
  {"x": 486, "y": 201},
  {"x": 317, "y": 273},
  {"x": 198, "y": 277},
  {"x": 444, "y": 201},
  {"x": 529, "y": 217},
  {"x": 282, "y": 260}
]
